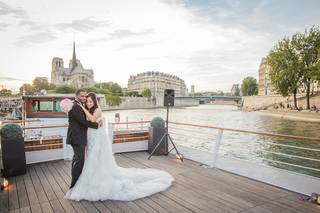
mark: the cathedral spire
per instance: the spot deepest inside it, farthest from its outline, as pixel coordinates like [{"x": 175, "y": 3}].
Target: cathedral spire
[{"x": 74, "y": 58}]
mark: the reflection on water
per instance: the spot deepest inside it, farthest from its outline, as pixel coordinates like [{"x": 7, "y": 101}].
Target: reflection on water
[{"x": 245, "y": 146}]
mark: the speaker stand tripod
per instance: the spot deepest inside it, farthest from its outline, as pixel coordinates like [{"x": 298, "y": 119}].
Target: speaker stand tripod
[{"x": 167, "y": 135}]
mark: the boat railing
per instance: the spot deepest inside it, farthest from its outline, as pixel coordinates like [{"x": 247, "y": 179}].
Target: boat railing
[
  {"x": 279, "y": 150},
  {"x": 288, "y": 161},
  {"x": 132, "y": 126},
  {"x": 301, "y": 155}
]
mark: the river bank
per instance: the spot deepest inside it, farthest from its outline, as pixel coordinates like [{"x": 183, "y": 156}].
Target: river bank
[{"x": 292, "y": 115}]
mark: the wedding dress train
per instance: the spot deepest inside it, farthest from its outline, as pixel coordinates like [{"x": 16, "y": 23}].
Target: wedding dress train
[{"x": 103, "y": 179}]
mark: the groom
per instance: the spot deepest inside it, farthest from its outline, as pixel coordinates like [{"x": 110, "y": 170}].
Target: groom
[{"x": 77, "y": 134}]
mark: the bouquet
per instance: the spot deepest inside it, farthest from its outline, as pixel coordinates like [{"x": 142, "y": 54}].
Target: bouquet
[{"x": 66, "y": 105}]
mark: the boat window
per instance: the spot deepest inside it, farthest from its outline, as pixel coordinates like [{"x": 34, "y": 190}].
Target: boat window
[
  {"x": 45, "y": 106},
  {"x": 56, "y": 106}
]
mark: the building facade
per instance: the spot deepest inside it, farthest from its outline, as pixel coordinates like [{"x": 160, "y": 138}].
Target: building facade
[
  {"x": 192, "y": 91},
  {"x": 74, "y": 75},
  {"x": 264, "y": 84},
  {"x": 157, "y": 82}
]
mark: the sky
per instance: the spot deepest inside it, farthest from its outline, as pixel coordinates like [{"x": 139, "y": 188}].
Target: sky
[{"x": 211, "y": 44}]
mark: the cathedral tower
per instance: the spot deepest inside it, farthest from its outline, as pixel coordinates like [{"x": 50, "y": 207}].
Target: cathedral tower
[{"x": 56, "y": 64}]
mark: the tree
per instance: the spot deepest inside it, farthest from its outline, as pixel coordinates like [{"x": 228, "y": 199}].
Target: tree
[
  {"x": 133, "y": 94},
  {"x": 26, "y": 89},
  {"x": 308, "y": 48},
  {"x": 5, "y": 92},
  {"x": 146, "y": 93},
  {"x": 116, "y": 89},
  {"x": 40, "y": 83},
  {"x": 113, "y": 100},
  {"x": 91, "y": 89},
  {"x": 249, "y": 86},
  {"x": 285, "y": 70},
  {"x": 220, "y": 92},
  {"x": 65, "y": 89},
  {"x": 103, "y": 85},
  {"x": 111, "y": 86}
]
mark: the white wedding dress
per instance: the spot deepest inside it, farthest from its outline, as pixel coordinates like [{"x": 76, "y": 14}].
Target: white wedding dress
[{"x": 103, "y": 179}]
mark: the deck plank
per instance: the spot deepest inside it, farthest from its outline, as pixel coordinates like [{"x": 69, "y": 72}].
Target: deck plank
[
  {"x": 22, "y": 192},
  {"x": 46, "y": 207},
  {"x": 36, "y": 208},
  {"x": 196, "y": 189},
  {"x": 4, "y": 200},
  {"x": 41, "y": 195},
  {"x": 45, "y": 184},
  {"x": 31, "y": 192},
  {"x": 25, "y": 209},
  {"x": 13, "y": 194}
]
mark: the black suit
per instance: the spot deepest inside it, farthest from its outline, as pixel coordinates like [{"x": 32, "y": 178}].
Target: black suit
[{"x": 77, "y": 138}]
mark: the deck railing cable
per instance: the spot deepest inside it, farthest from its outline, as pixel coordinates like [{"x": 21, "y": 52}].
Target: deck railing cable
[{"x": 187, "y": 130}]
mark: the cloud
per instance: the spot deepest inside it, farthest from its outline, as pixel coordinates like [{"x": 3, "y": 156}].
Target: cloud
[
  {"x": 121, "y": 34},
  {"x": 82, "y": 25},
  {"x": 137, "y": 44},
  {"x": 36, "y": 38},
  {"x": 125, "y": 33},
  {"x": 3, "y": 26},
  {"x": 15, "y": 12},
  {"x": 34, "y": 26},
  {"x": 6, "y": 78}
]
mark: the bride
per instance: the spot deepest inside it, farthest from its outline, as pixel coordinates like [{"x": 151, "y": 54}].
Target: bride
[{"x": 102, "y": 178}]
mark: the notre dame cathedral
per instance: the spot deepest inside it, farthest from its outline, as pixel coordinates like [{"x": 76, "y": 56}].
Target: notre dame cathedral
[{"x": 74, "y": 75}]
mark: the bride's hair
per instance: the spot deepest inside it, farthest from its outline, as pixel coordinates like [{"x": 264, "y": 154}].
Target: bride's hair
[{"x": 93, "y": 97}]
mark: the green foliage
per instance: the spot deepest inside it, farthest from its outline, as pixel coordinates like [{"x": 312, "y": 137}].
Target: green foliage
[
  {"x": 249, "y": 86},
  {"x": 113, "y": 100},
  {"x": 285, "y": 71},
  {"x": 112, "y": 87},
  {"x": 116, "y": 88},
  {"x": 146, "y": 93},
  {"x": 51, "y": 86},
  {"x": 5, "y": 92},
  {"x": 40, "y": 83},
  {"x": 157, "y": 122},
  {"x": 27, "y": 88},
  {"x": 65, "y": 89},
  {"x": 91, "y": 89},
  {"x": 133, "y": 94},
  {"x": 11, "y": 131},
  {"x": 220, "y": 92},
  {"x": 294, "y": 62}
]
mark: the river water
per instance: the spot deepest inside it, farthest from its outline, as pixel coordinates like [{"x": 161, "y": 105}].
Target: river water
[{"x": 237, "y": 145}]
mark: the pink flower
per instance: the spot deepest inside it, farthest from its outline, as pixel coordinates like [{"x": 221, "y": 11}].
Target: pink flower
[{"x": 66, "y": 105}]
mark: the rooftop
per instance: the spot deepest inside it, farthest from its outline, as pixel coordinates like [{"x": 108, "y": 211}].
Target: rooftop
[{"x": 196, "y": 189}]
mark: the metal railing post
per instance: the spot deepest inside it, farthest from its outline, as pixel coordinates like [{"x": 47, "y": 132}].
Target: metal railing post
[
  {"x": 141, "y": 123},
  {"x": 110, "y": 130},
  {"x": 216, "y": 148},
  {"x": 127, "y": 122}
]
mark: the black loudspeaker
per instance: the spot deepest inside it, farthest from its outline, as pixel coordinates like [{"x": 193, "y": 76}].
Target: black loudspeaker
[{"x": 168, "y": 97}]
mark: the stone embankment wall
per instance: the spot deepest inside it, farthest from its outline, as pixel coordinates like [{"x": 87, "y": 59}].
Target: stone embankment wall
[{"x": 267, "y": 102}]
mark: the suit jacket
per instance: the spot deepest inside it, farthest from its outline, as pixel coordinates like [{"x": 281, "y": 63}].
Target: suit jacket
[{"x": 78, "y": 126}]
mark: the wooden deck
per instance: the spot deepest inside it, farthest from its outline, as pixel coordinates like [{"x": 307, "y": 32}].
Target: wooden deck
[{"x": 196, "y": 189}]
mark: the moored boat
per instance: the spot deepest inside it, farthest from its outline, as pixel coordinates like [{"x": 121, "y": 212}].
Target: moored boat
[{"x": 45, "y": 130}]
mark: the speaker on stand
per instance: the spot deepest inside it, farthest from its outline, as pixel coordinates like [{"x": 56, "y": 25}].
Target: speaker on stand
[{"x": 168, "y": 102}]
